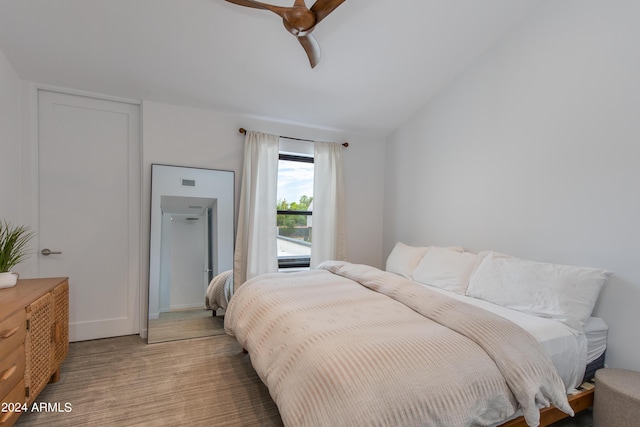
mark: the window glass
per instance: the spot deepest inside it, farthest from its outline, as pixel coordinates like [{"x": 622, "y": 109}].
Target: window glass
[
  {"x": 295, "y": 183},
  {"x": 295, "y": 205}
]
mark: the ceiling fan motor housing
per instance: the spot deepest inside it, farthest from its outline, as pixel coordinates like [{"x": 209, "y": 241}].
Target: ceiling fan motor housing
[{"x": 299, "y": 21}]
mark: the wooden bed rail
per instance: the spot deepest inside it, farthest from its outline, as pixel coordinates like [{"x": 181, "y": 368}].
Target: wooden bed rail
[{"x": 579, "y": 402}]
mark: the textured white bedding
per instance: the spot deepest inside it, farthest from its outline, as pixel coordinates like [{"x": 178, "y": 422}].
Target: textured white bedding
[
  {"x": 570, "y": 352},
  {"x": 566, "y": 348},
  {"x": 219, "y": 291},
  {"x": 368, "y": 347}
]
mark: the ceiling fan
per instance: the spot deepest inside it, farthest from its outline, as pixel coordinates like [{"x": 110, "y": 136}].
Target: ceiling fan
[{"x": 299, "y": 20}]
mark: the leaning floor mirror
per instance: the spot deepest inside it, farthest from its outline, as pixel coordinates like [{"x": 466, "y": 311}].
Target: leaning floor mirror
[{"x": 191, "y": 241}]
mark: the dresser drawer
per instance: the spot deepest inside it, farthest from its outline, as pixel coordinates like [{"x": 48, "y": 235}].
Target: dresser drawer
[
  {"x": 12, "y": 333},
  {"x": 12, "y": 401},
  {"x": 34, "y": 335},
  {"x": 11, "y": 370}
]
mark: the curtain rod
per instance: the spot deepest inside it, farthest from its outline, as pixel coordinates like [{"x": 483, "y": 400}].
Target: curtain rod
[{"x": 244, "y": 132}]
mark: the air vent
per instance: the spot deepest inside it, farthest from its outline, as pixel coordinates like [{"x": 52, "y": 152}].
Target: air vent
[
  {"x": 195, "y": 207},
  {"x": 188, "y": 182},
  {"x": 192, "y": 219}
]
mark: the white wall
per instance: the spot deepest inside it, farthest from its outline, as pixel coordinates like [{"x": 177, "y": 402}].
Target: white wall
[
  {"x": 177, "y": 135},
  {"x": 534, "y": 151},
  {"x": 183, "y": 136},
  {"x": 10, "y": 147},
  {"x": 210, "y": 139}
]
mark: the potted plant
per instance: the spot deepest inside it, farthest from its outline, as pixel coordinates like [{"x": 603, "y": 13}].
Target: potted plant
[{"x": 13, "y": 250}]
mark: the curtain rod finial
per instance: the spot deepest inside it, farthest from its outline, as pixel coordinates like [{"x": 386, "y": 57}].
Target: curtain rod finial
[{"x": 243, "y": 131}]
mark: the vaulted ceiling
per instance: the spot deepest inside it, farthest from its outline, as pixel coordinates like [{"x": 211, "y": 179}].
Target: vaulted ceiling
[{"x": 381, "y": 60}]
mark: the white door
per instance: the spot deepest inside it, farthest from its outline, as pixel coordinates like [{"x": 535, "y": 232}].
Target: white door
[{"x": 89, "y": 209}]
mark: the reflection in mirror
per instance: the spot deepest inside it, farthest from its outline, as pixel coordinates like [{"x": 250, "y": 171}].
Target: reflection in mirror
[{"x": 191, "y": 241}]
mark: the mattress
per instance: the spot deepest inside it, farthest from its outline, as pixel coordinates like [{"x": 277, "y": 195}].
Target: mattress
[
  {"x": 596, "y": 331},
  {"x": 569, "y": 351}
]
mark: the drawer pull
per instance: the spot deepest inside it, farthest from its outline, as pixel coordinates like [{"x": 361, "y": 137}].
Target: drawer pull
[
  {"x": 7, "y": 374},
  {"x": 7, "y": 334}
]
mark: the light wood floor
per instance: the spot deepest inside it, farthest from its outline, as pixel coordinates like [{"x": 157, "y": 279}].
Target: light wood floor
[{"x": 198, "y": 382}]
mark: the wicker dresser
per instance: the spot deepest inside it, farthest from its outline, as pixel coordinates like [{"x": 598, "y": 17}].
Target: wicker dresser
[{"x": 34, "y": 340}]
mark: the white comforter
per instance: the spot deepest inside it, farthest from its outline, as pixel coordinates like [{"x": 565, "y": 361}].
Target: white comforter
[
  {"x": 566, "y": 347},
  {"x": 353, "y": 345},
  {"x": 219, "y": 291}
]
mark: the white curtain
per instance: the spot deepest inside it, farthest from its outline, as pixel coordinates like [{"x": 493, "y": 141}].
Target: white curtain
[
  {"x": 256, "y": 246},
  {"x": 328, "y": 204}
]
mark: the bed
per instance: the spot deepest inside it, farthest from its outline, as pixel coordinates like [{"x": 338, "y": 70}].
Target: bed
[
  {"x": 219, "y": 291},
  {"x": 350, "y": 344}
]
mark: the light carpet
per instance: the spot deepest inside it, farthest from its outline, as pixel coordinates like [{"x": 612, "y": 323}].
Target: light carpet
[
  {"x": 125, "y": 382},
  {"x": 198, "y": 382}
]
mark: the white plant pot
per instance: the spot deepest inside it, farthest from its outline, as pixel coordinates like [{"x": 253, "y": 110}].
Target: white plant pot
[{"x": 8, "y": 279}]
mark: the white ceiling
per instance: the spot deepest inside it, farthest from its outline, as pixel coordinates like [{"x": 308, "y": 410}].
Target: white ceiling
[{"x": 381, "y": 60}]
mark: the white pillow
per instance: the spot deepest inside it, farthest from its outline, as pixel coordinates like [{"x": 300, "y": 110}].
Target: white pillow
[
  {"x": 446, "y": 268},
  {"x": 562, "y": 292},
  {"x": 403, "y": 259}
]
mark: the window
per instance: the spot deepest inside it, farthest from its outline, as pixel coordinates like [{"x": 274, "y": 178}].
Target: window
[{"x": 295, "y": 207}]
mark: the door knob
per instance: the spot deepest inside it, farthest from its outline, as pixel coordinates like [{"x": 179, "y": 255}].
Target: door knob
[{"x": 47, "y": 252}]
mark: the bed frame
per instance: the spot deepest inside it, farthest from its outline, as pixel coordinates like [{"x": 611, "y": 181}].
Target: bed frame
[{"x": 579, "y": 402}]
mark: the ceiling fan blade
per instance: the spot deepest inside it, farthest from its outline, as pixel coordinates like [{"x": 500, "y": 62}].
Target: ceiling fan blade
[
  {"x": 248, "y": 3},
  {"x": 311, "y": 46},
  {"x": 322, "y": 8},
  {"x": 258, "y": 5}
]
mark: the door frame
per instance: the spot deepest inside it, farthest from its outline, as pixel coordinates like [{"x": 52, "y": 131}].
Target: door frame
[{"x": 30, "y": 186}]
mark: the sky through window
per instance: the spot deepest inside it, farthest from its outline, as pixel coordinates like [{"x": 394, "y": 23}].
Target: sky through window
[{"x": 295, "y": 179}]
